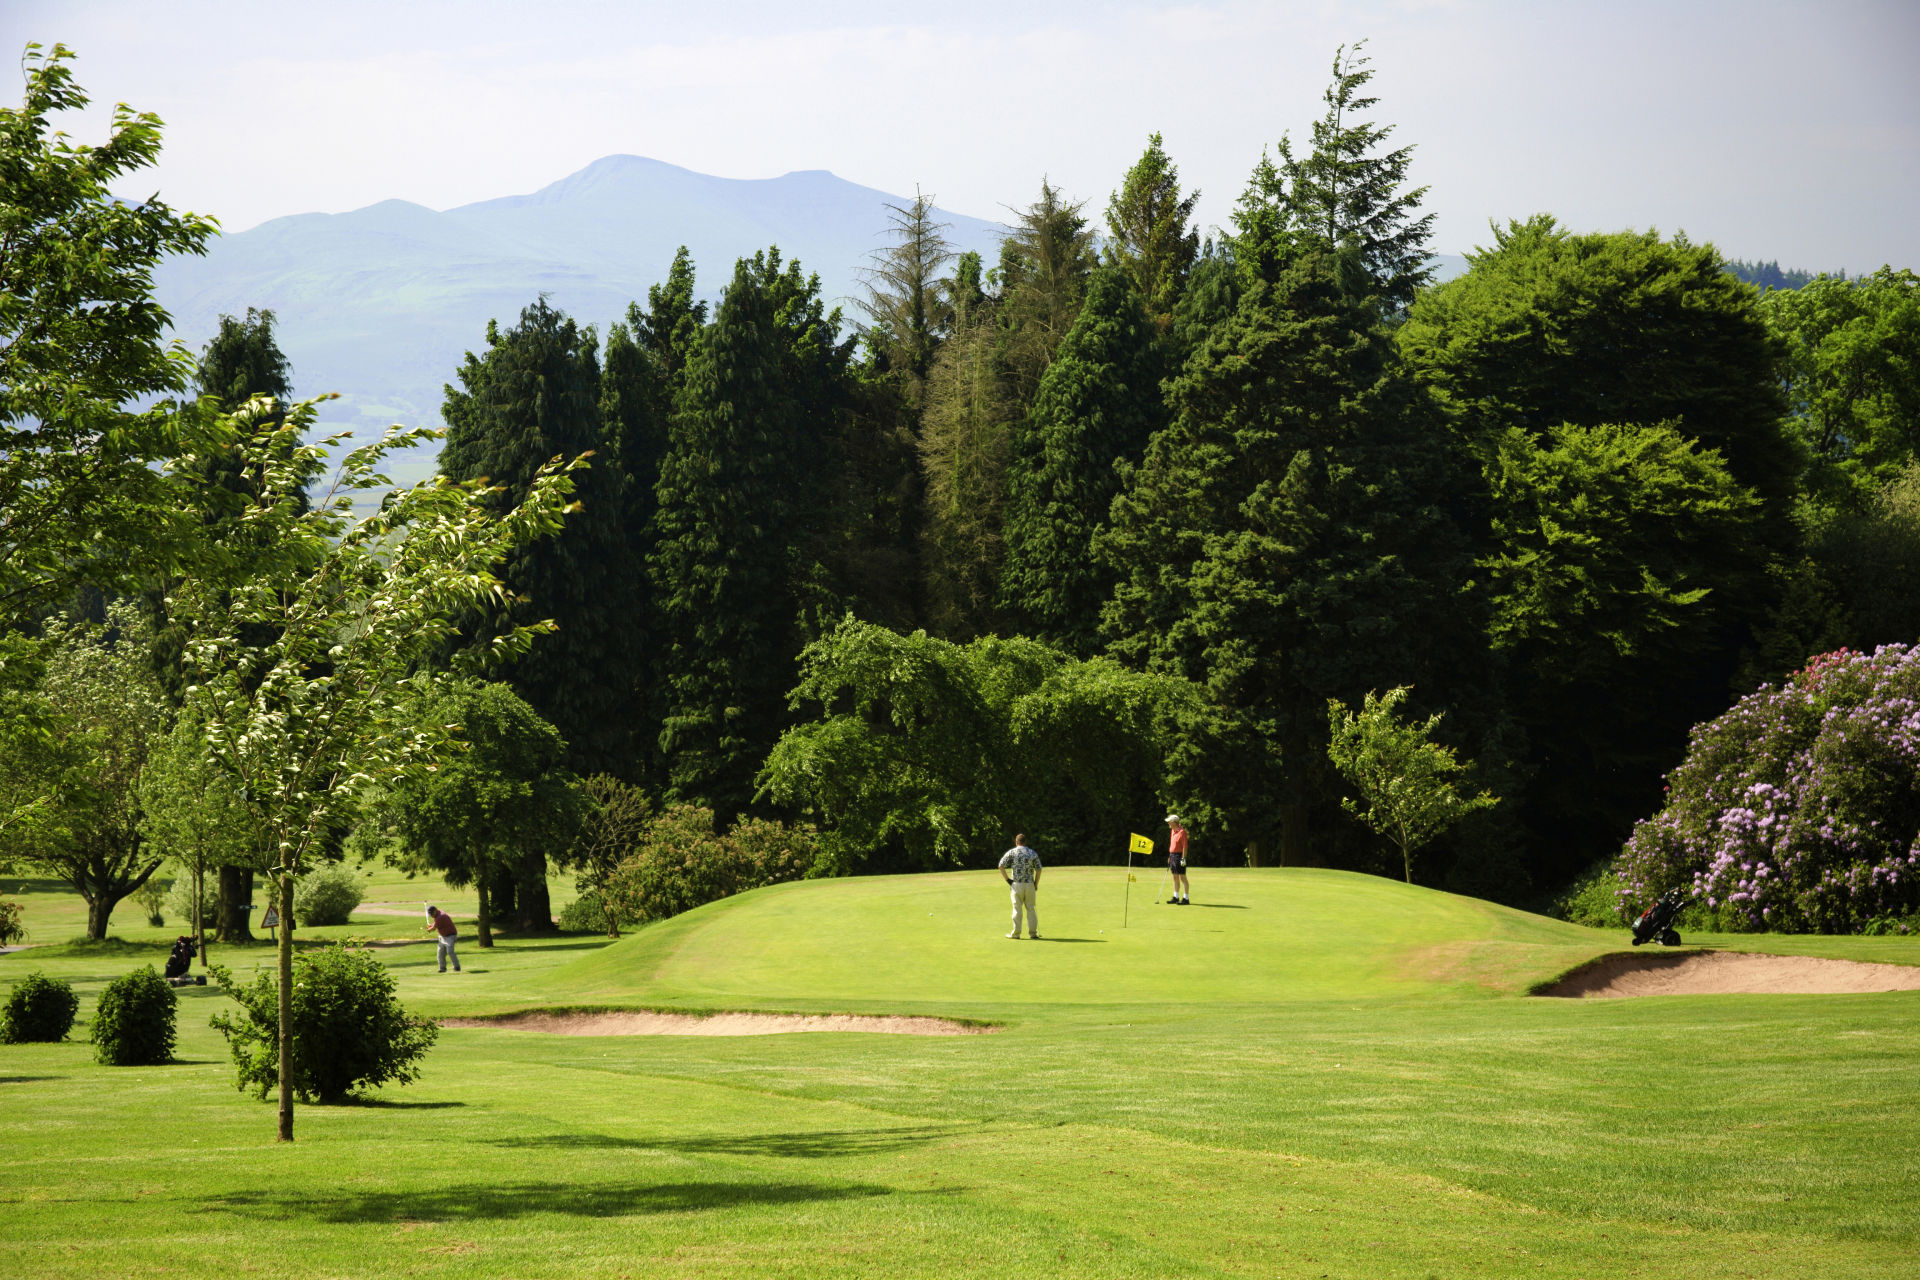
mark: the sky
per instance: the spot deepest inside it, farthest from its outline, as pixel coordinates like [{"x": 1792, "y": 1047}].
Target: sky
[{"x": 1777, "y": 131}]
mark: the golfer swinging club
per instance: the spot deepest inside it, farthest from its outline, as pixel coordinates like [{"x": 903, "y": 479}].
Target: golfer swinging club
[
  {"x": 1020, "y": 868},
  {"x": 1177, "y": 860}
]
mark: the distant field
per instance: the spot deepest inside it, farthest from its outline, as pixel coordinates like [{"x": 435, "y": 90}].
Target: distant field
[{"x": 1306, "y": 1073}]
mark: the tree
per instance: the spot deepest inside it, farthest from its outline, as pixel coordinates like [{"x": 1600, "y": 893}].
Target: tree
[
  {"x": 534, "y": 395},
  {"x": 1347, "y": 195},
  {"x": 1098, "y": 404},
  {"x": 616, "y": 818},
  {"x": 903, "y": 289},
  {"x": 914, "y": 753},
  {"x": 1851, "y": 375},
  {"x": 963, "y": 449},
  {"x": 1151, "y": 239},
  {"x": 735, "y": 561},
  {"x": 490, "y": 812},
  {"x": 108, "y": 713},
  {"x": 80, "y": 340},
  {"x": 194, "y": 817},
  {"x": 1044, "y": 266},
  {"x": 1549, "y": 327},
  {"x": 307, "y": 676},
  {"x": 1408, "y": 784}
]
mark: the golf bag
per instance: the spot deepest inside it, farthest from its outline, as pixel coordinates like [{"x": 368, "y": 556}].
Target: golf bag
[
  {"x": 179, "y": 960},
  {"x": 1657, "y": 921}
]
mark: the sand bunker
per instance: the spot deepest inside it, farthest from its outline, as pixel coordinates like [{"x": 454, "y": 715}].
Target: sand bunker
[
  {"x": 1729, "y": 973},
  {"x": 717, "y": 1024}
]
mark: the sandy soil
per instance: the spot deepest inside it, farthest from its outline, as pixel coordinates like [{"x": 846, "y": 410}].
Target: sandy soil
[
  {"x": 719, "y": 1024},
  {"x": 1730, "y": 972}
]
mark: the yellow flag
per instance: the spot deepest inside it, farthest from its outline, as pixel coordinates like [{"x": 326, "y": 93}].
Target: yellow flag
[
  {"x": 1131, "y": 879},
  {"x": 1140, "y": 844}
]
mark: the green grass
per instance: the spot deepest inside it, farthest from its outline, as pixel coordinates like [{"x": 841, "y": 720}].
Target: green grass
[{"x": 1323, "y": 1074}]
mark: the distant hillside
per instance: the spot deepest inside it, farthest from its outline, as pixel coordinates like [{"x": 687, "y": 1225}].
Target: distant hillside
[{"x": 379, "y": 304}]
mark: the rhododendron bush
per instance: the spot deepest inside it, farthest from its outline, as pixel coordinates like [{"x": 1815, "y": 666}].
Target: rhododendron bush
[{"x": 1798, "y": 810}]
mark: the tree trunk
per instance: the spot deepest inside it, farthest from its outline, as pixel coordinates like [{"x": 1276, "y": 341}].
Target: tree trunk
[
  {"x": 99, "y": 911},
  {"x": 484, "y": 925},
  {"x": 503, "y": 902},
  {"x": 1254, "y": 853},
  {"x": 200, "y": 909},
  {"x": 1293, "y": 835},
  {"x": 535, "y": 911},
  {"x": 236, "y": 895},
  {"x": 285, "y": 885}
]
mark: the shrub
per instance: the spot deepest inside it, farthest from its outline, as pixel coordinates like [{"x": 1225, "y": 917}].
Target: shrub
[
  {"x": 1799, "y": 809},
  {"x": 585, "y": 914},
  {"x": 1593, "y": 900},
  {"x": 682, "y": 863},
  {"x": 133, "y": 1025},
  {"x": 326, "y": 895},
  {"x": 349, "y": 1031},
  {"x": 152, "y": 896},
  {"x": 38, "y": 1008},
  {"x": 12, "y": 928}
]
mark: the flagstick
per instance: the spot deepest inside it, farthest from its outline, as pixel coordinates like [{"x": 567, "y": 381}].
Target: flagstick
[{"x": 1128, "y": 900}]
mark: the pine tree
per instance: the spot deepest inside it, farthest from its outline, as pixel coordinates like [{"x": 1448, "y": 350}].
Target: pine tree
[
  {"x": 531, "y": 396},
  {"x": 1098, "y": 404},
  {"x": 1284, "y": 540},
  {"x": 1151, "y": 239},
  {"x": 735, "y": 562},
  {"x": 1044, "y": 266},
  {"x": 903, "y": 290},
  {"x": 963, "y": 457}
]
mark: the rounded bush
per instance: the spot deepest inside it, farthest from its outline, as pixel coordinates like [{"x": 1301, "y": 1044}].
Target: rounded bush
[
  {"x": 39, "y": 1008},
  {"x": 1799, "y": 809},
  {"x": 133, "y": 1025},
  {"x": 12, "y": 928},
  {"x": 179, "y": 901},
  {"x": 326, "y": 895},
  {"x": 349, "y": 1030},
  {"x": 585, "y": 914}
]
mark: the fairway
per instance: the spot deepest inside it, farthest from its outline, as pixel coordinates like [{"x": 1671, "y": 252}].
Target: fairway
[{"x": 1305, "y": 1073}]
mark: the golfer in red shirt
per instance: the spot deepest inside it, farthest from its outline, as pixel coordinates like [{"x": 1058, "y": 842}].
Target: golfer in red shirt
[{"x": 1177, "y": 859}]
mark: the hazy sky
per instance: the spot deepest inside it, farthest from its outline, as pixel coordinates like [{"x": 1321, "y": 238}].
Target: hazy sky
[{"x": 1775, "y": 130}]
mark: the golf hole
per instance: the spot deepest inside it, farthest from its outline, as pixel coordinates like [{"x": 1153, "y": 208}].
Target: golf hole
[
  {"x": 1697, "y": 973},
  {"x": 648, "y": 1023}
]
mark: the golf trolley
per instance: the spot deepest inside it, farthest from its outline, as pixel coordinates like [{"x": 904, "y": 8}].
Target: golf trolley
[{"x": 1657, "y": 921}]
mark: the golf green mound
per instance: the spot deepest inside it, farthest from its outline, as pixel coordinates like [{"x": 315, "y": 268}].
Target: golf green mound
[{"x": 927, "y": 944}]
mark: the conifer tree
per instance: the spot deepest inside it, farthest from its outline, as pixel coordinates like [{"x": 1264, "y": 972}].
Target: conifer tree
[
  {"x": 1098, "y": 404},
  {"x": 1151, "y": 240},
  {"x": 903, "y": 289},
  {"x": 531, "y": 396},
  {"x": 1044, "y": 265},
  {"x": 1284, "y": 541},
  {"x": 963, "y": 457},
  {"x": 735, "y": 561}
]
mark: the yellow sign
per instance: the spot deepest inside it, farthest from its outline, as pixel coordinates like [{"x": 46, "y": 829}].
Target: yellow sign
[{"x": 1140, "y": 844}]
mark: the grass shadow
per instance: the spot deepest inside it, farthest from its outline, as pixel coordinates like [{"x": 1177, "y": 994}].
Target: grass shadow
[
  {"x": 1221, "y": 906},
  {"x": 1048, "y": 937},
  {"x": 27, "y": 1079},
  {"x": 507, "y": 1201},
  {"x": 395, "y": 1104},
  {"x": 793, "y": 1146}
]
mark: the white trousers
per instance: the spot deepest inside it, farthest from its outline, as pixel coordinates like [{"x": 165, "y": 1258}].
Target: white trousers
[
  {"x": 1023, "y": 891},
  {"x": 446, "y": 953}
]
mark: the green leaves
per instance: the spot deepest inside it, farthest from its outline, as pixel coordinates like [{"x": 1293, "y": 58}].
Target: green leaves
[{"x": 1408, "y": 783}]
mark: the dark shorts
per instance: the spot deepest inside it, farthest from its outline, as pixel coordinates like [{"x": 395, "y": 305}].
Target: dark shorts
[{"x": 1178, "y": 866}]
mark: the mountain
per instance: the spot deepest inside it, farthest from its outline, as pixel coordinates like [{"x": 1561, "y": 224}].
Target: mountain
[{"x": 380, "y": 304}]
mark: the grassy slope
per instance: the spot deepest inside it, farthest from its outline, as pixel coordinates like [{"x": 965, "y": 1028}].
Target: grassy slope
[{"x": 1321, "y": 1079}]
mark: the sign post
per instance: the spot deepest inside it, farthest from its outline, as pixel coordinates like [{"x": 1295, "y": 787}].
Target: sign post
[
  {"x": 1135, "y": 844},
  {"x": 270, "y": 921}
]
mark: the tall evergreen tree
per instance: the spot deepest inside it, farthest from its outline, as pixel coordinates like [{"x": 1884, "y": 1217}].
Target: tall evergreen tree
[
  {"x": 1098, "y": 404},
  {"x": 735, "y": 563},
  {"x": 1044, "y": 265},
  {"x": 1284, "y": 540},
  {"x": 963, "y": 456},
  {"x": 531, "y": 396},
  {"x": 1151, "y": 240},
  {"x": 903, "y": 289}
]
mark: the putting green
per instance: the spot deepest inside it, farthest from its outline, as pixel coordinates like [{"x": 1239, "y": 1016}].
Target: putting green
[{"x": 935, "y": 942}]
